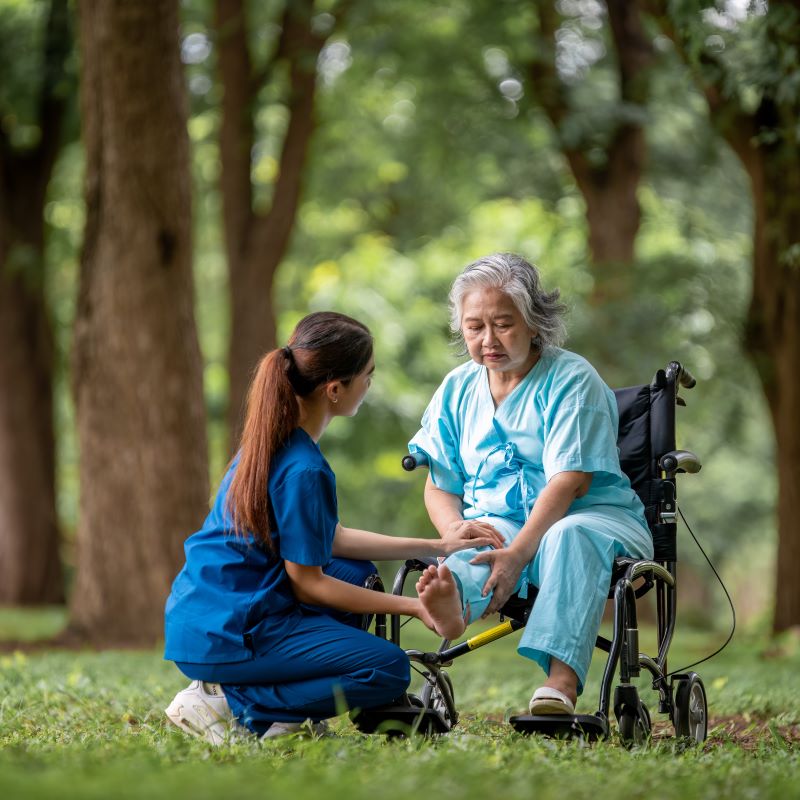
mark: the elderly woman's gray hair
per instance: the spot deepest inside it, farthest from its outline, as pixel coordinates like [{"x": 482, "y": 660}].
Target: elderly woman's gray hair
[{"x": 520, "y": 280}]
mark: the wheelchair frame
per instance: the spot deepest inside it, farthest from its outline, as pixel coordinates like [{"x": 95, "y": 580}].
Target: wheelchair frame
[{"x": 681, "y": 696}]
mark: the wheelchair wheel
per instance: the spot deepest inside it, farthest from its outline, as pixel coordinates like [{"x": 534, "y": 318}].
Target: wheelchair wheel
[
  {"x": 433, "y": 697},
  {"x": 634, "y": 728},
  {"x": 691, "y": 708}
]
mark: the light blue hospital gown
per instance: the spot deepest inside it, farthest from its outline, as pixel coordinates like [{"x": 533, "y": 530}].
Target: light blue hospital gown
[{"x": 561, "y": 417}]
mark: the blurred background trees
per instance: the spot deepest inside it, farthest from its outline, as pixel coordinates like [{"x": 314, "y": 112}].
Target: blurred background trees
[
  {"x": 355, "y": 155},
  {"x": 38, "y": 89},
  {"x": 603, "y": 143},
  {"x": 751, "y": 86}
]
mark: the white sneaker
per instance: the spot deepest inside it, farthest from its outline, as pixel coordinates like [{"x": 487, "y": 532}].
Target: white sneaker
[
  {"x": 202, "y": 710},
  {"x": 307, "y": 728}
]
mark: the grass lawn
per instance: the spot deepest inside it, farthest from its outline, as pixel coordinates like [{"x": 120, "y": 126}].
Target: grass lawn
[{"x": 90, "y": 725}]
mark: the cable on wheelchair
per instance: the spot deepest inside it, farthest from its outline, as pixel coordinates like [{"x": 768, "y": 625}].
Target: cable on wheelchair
[
  {"x": 426, "y": 676},
  {"x": 727, "y": 594}
]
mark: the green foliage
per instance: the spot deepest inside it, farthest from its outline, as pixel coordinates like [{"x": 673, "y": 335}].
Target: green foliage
[
  {"x": 750, "y": 50},
  {"x": 431, "y": 134},
  {"x": 64, "y": 218},
  {"x": 25, "y": 69},
  {"x": 21, "y": 36},
  {"x": 86, "y": 725}
]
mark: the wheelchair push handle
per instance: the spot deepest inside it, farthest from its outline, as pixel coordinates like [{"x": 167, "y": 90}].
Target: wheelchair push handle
[
  {"x": 413, "y": 460},
  {"x": 682, "y": 375}
]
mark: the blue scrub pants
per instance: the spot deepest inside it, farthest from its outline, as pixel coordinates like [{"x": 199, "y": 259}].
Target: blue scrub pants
[
  {"x": 572, "y": 570},
  {"x": 320, "y": 667}
]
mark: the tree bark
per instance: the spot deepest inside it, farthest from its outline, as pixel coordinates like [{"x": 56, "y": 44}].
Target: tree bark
[
  {"x": 256, "y": 242},
  {"x": 608, "y": 188},
  {"x": 30, "y": 565},
  {"x": 137, "y": 371},
  {"x": 773, "y": 343}
]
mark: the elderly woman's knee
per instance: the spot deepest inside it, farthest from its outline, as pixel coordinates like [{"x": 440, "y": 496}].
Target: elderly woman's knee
[
  {"x": 574, "y": 542},
  {"x": 567, "y": 535}
]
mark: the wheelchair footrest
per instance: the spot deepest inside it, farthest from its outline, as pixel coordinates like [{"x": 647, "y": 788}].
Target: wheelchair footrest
[
  {"x": 562, "y": 726},
  {"x": 400, "y": 720}
]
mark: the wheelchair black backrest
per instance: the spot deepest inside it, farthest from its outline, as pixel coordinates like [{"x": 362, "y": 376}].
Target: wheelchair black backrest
[{"x": 646, "y": 433}]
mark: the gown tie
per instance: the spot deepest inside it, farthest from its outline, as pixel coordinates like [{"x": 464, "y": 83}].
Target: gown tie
[{"x": 513, "y": 463}]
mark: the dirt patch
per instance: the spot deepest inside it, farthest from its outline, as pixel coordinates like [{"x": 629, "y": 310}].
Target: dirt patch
[
  {"x": 744, "y": 730},
  {"x": 747, "y": 731}
]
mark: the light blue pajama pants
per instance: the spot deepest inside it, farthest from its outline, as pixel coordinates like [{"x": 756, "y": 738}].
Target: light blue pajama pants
[{"x": 572, "y": 570}]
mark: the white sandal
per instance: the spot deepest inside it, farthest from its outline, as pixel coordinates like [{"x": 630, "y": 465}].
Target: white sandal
[{"x": 546, "y": 700}]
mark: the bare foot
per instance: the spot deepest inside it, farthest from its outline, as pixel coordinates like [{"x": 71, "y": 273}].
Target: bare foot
[{"x": 439, "y": 595}]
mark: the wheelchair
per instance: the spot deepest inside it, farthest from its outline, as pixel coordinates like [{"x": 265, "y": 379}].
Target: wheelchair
[{"x": 649, "y": 457}]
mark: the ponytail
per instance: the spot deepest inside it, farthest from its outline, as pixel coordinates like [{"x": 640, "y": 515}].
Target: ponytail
[
  {"x": 325, "y": 346},
  {"x": 272, "y": 414}
]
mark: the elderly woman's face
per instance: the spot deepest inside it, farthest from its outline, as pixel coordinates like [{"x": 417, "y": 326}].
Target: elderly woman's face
[{"x": 495, "y": 331}]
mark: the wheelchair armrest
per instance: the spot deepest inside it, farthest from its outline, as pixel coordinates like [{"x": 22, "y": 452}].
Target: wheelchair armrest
[
  {"x": 679, "y": 461},
  {"x": 411, "y": 565},
  {"x": 416, "y": 459}
]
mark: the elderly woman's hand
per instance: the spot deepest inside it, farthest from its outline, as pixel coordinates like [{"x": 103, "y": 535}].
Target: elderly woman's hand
[
  {"x": 507, "y": 566},
  {"x": 472, "y": 533},
  {"x": 469, "y": 538}
]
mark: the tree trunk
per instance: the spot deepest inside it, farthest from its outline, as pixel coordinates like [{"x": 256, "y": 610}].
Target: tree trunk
[
  {"x": 609, "y": 188},
  {"x": 785, "y": 408},
  {"x": 137, "y": 372},
  {"x": 257, "y": 242},
  {"x": 612, "y": 212},
  {"x": 773, "y": 342},
  {"x": 30, "y": 564}
]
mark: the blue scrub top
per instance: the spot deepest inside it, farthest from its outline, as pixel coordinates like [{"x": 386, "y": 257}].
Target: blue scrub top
[
  {"x": 560, "y": 417},
  {"x": 232, "y": 593}
]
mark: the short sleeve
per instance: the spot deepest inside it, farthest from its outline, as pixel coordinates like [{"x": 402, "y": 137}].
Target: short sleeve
[
  {"x": 437, "y": 439},
  {"x": 305, "y": 511},
  {"x": 581, "y": 429}
]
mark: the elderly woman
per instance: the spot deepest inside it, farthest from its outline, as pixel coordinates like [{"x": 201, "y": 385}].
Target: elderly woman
[{"x": 521, "y": 442}]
